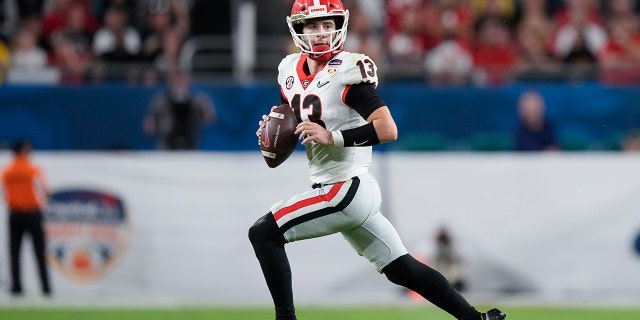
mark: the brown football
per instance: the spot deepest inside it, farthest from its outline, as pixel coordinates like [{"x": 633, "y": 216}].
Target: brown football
[{"x": 278, "y": 138}]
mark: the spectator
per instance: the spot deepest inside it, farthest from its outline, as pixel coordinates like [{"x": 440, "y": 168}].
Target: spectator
[
  {"x": 447, "y": 30},
  {"x": 534, "y": 16},
  {"x": 73, "y": 65},
  {"x": 56, "y": 17},
  {"x": 394, "y": 13},
  {"x": 116, "y": 41},
  {"x": 446, "y": 20},
  {"x": 494, "y": 55},
  {"x": 167, "y": 23},
  {"x": 25, "y": 52},
  {"x": 619, "y": 61},
  {"x": 76, "y": 31},
  {"x": 535, "y": 61},
  {"x": 33, "y": 24},
  {"x": 25, "y": 191},
  {"x": 534, "y": 132},
  {"x": 117, "y": 44},
  {"x": 176, "y": 116},
  {"x": 447, "y": 260},
  {"x": 449, "y": 63},
  {"x": 405, "y": 48},
  {"x": 578, "y": 40}
]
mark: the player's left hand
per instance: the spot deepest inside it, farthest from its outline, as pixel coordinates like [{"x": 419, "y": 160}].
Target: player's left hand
[{"x": 313, "y": 132}]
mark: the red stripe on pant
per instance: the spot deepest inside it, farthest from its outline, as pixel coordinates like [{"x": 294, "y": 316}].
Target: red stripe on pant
[{"x": 308, "y": 202}]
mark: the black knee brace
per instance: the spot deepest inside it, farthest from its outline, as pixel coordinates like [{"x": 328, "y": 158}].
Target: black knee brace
[{"x": 266, "y": 230}]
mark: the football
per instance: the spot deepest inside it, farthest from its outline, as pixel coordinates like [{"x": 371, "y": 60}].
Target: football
[{"x": 278, "y": 138}]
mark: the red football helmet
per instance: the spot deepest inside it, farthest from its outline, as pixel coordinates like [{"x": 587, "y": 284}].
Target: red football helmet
[{"x": 310, "y": 9}]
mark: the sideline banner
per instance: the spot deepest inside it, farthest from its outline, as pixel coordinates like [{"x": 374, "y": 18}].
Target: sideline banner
[{"x": 134, "y": 227}]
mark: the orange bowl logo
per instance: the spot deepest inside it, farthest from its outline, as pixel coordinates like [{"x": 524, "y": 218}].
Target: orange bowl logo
[{"x": 87, "y": 233}]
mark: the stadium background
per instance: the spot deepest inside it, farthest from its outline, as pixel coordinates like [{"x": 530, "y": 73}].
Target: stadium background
[{"x": 568, "y": 220}]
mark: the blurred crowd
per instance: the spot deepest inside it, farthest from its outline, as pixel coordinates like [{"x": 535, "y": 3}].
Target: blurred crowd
[
  {"x": 492, "y": 42},
  {"x": 79, "y": 41},
  {"x": 442, "y": 42}
]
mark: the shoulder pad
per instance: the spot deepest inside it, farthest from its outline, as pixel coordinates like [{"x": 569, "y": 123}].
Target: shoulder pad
[{"x": 355, "y": 68}]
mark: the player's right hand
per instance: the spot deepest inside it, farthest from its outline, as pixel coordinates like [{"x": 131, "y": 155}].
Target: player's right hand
[{"x": 262, "y": 124}]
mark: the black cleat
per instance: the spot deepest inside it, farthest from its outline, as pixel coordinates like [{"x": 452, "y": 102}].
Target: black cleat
[{"x": 493, "y": 314}]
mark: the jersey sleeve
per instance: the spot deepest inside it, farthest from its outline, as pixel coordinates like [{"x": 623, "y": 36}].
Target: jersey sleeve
[{"x": 359, "y": 68}]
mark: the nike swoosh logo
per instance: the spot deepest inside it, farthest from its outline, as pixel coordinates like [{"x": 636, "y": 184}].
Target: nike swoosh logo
[
  {"x": 266, "y": 137},
  {"x": 322, "y": 84},
  {"x": 359, "y": 144}
]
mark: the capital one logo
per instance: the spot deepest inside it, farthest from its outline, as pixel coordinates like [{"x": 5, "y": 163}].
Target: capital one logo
[{"x": 87, "y": 233}]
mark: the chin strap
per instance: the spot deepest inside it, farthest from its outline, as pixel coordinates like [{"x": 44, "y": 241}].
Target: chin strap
[{"x": 321, "y": 57}]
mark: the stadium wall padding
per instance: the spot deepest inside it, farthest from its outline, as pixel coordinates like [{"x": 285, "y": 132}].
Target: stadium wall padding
[
  {"x": 109, "y": 117},
  {"x": 555, "y": 226}
]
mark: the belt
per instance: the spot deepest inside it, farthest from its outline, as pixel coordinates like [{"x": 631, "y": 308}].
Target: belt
[{"x": 321, "y": 185}]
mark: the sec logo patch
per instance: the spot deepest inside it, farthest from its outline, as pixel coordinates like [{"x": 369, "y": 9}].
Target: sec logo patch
[
  {"x": 87, "y": 233},
  {"x": 289, "y": 82}
]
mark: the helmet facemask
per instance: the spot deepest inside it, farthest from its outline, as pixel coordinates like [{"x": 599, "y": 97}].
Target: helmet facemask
[{"x": 303, "y": 41}]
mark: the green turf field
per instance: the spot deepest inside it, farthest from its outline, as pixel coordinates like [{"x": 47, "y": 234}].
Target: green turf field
[{"x": 344, "y": 313}]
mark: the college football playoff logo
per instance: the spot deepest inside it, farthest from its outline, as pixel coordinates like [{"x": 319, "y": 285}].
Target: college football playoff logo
[{"x": 87, "y": 233}]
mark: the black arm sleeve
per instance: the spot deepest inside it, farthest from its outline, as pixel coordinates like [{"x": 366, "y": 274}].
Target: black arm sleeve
[
  {"x": 364, "y": 99},
  {"x": 362, "y": 136}
]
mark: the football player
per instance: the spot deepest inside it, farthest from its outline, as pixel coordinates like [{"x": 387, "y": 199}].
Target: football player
[{"x": 341, "y": 116}]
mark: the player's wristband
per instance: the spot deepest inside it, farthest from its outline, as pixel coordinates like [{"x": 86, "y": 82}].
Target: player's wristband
[
  {"x": 338, "y": 139},
  {"x": 362, "y": 136}
]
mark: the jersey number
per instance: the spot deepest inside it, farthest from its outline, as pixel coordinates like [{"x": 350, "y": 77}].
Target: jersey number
[
  {"x": 366, "y": 68},
  {"x": 311, "y": 106}
]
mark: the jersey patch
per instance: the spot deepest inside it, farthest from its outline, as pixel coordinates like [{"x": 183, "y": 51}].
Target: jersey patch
[{"x": 289, "y": 82}]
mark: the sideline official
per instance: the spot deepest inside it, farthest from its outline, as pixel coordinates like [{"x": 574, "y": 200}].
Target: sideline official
[{"x": 25, "y": 191}]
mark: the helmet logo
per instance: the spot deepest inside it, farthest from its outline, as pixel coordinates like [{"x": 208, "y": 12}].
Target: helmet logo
[{"x": 317, "y": 9}]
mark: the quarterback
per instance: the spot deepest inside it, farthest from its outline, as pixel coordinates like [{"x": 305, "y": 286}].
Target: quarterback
[{"x": 340, "y": 117}]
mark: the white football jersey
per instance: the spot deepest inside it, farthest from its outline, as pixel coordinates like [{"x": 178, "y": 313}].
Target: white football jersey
[{"x": 320, "y": 98}]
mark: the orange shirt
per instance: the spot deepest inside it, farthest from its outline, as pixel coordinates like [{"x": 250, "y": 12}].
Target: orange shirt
[{"x": 20, "y": 181}]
